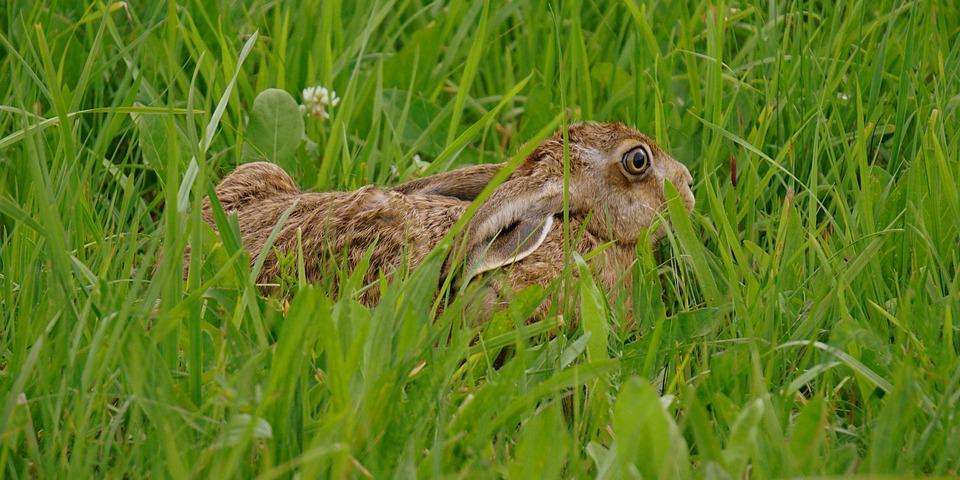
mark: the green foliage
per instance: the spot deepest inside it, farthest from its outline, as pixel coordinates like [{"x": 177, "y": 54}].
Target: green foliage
[
  {"x": 648, "y": 442},
  {"x": 802, "y": 321},
  {"x": 275, "y": 129}
]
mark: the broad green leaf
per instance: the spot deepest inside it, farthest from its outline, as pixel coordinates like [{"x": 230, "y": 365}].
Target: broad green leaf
[
  {"x": 275, "y": 129},
  {"x": 531, "y": 459},
  {"x": 648, "y": 440}
]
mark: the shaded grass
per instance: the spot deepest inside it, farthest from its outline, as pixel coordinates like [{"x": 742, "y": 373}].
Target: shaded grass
[{"x": 801, "y": 321}]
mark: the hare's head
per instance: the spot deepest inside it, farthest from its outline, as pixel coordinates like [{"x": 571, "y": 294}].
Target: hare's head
[
  {"x": 617, "y": 180},
  {"x": 617, "y": 175}
]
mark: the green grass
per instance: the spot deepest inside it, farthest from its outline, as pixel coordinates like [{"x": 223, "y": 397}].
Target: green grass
[{"x": 802, "y": 321}]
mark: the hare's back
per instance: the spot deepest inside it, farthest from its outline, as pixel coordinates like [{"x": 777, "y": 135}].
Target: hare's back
[{"x": 346, "y": 225}]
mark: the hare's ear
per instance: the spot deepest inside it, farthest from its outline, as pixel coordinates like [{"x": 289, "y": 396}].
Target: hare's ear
[
  {"x": 512, "y": 223},
  {"x": 464, "y": 183}
]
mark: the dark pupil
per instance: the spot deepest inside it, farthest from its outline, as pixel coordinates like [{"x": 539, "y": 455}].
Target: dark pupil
[{"x": 639, "y": 160}]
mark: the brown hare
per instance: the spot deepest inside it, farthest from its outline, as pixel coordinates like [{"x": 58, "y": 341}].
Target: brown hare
[{"x": 616, "y": 191}]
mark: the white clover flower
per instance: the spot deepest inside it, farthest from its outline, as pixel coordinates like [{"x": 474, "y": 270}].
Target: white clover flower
[
  {"x": 317, "y": 100},
  {"x": 420, "y": 164}
]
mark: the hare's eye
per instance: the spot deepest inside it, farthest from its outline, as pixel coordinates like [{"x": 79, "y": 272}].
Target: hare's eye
[{"x": 636, "y": 162}]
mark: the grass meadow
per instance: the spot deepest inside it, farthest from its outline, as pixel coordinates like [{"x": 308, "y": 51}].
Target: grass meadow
[{"x": 802, "y": 321}]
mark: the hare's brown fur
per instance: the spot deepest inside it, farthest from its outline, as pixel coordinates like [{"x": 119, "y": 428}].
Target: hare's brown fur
[
  {"x": 394, "y": 225},
  {"x": 403, "y": 224}
]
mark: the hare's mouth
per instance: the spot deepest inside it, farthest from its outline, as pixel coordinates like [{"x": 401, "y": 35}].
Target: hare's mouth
[{"x": 689, "y": 199}]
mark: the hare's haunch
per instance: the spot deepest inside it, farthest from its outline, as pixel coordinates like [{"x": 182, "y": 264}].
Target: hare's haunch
[{"x": 616, "y": 191}]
